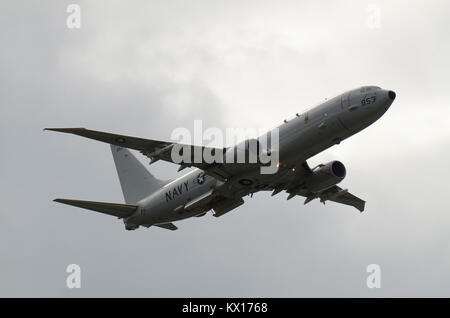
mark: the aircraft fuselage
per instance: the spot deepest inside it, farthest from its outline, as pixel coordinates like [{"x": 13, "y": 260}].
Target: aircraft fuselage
[{"x": 300, "y": 138}]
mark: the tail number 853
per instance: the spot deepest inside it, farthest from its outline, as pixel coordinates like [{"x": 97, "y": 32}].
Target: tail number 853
[{"x": 368, "y": 100}]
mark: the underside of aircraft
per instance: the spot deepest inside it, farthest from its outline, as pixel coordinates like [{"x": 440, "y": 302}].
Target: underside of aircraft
[{"x": 221, "y": 186}]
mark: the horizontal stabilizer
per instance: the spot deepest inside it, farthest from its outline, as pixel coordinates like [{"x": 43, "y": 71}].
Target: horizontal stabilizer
[
  {"x": 114, "y": 209},
  {"x": 168, "y": 226}
]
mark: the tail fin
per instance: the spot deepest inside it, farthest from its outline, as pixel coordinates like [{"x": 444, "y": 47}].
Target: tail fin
[{"x": 135, "y": 180}]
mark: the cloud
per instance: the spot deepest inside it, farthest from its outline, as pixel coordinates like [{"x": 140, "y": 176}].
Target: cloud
[{"x": 146, "y": 68}]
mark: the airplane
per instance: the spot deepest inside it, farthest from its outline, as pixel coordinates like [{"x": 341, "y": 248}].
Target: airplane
[{"x": 221, "y": 186}]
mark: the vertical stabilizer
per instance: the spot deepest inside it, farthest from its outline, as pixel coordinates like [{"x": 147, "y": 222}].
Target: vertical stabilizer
[{"x": 135, "y": 180}]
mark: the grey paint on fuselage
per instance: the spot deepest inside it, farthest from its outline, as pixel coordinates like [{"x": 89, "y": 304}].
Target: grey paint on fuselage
[
  {"x": 299, "y": 139},
  {"x": 158, "y": 208}
]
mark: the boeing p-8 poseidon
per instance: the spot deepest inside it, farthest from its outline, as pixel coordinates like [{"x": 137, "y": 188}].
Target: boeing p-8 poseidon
[{"x": 221, "y": 185}]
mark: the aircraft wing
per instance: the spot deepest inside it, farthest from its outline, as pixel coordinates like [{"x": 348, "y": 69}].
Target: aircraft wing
[
  {"x": 225, "y": 172},
  {"x": 335, "y": 193},
  {"x": 156, "y": 150},
  {"x": 339, "y": 195},
  {"x": 114, "y": 139}
]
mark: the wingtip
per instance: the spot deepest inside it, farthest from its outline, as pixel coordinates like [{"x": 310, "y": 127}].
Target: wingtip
[
  {"x": 64, "y": 129},
  {"x": 362, "y": 207},
  {"x": 64, "y": 201}
]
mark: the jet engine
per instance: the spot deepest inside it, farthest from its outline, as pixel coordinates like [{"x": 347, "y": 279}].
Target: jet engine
[{"x": 325, "y": 176}]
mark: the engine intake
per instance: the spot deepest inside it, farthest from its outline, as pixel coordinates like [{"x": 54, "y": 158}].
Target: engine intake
[{"x": 325, "y": 176}]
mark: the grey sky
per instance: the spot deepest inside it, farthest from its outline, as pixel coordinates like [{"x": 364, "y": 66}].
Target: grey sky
[{"x": 144, "y": 68}]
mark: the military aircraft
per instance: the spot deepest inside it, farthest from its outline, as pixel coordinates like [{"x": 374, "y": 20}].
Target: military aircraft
[{"x": 221, "y": 186}]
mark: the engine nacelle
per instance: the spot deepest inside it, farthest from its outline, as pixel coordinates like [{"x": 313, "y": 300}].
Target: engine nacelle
[{"x": 325, "y": 176}]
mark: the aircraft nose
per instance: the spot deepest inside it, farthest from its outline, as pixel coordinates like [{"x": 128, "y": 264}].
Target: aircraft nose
[{"x": 392, "y": 95}]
